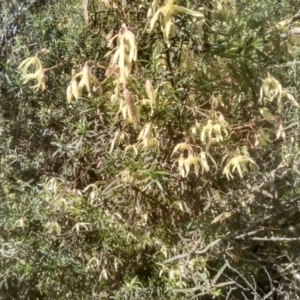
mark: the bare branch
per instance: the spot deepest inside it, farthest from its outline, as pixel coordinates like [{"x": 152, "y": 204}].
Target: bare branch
[
  {"x": 254, "y": 282},
  {"x": 274, "y": 239},
  {"x": 296, "y": 17},
  {"x": 257, "y": 296},
  {"x": 231, "y": 289},
  {"x": 248, "y": 234}
]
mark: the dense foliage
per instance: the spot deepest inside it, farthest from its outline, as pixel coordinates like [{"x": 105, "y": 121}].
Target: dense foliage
[{"x": 149, "y": 149}]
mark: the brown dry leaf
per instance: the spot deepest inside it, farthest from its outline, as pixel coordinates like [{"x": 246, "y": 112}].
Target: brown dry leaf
[
  {"x": 109, "y": 38},
  {"x": 106, "y": 2},
  {"x": 111, "y": 68},
  {"x": 132, "y": 112},
  {"x": 221, "y": 217},
  {"x": 233, "y": 256},
  {"x": 150, "y": 91},
  {"x": 85, "y": 11},
  {"x": 281, "y": 133}
]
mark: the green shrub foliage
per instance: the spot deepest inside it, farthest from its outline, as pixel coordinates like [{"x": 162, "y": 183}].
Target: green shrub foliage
[{"x": 149, "y": 149}]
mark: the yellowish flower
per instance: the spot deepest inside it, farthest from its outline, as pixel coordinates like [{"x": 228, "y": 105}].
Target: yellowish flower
[
  {"x": 25, "y": 64},
  {"x": 270, "y": 89},
  {"x": 166, "y": 12},
  {"x": 38, "y": 75},
  {"x": 215, "y": 129},
  {"x": 238, "y": 161},
  {"x": 87, "y": 77},
  {"x": 147, "y": 139},
  {"x": 124, "y": 54}
]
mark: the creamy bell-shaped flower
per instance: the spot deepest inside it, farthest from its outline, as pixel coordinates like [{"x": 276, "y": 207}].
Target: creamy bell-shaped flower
[{"x": 166, "y": 12}]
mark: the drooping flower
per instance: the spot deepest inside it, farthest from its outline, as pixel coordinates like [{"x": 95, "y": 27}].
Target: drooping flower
[
  {"x": 166, "y": 12},
  {"x": 87, "y": 78},
  {"x": 38, "y": 74},
  {"x": 124, "y": 54}
]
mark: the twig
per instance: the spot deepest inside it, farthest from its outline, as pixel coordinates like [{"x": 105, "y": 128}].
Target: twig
[
  {"x": 296, "y": 17},
  {"x": 291, "y": 125},
  {"x": 245, "y": 296},
  {"x": 274, "y": 239},
  {"x": 231, "y": 289},
  {"x": 246, "y": 281},
  {"x": 271, "y": 285},
  {"x": 254, "y": 282},
  {"x": 268, "y": 295},
  {"x": 262, "y": 221},
  {"x": 248, "y": 234}
]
